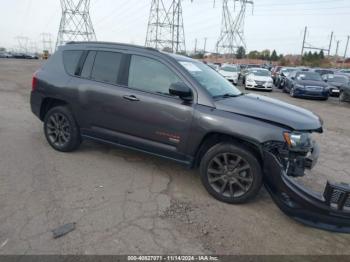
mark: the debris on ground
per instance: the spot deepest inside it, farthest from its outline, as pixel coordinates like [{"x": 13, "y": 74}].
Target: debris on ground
[
  {"x": 4, "y": 243},
  {"x": 63, "y": 230}
]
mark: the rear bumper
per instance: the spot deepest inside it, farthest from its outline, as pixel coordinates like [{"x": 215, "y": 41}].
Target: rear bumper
[
  {"x": 330, "y": 211},
  {"x": 35, "y": 103}
]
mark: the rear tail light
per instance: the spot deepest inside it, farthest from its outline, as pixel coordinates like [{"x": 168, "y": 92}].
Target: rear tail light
[{"x": 34, "y": 82}]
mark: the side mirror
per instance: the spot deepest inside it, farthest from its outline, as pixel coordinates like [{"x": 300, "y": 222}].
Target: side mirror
[
  {"x": 293, "y": 78},
  {"x": 181, "y": 90}
]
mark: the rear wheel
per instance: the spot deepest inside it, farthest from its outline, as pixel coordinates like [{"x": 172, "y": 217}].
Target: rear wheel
[
  {"x": 230, "y": 173},
  {"x": 61, "y": 130}
]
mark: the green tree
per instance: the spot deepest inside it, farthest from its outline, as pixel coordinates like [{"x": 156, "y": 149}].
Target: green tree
[
  {"x": 321, "y": 54},
  {"x": 274, "y": 56},
  {"x": 240, "y": 52},
  {"x": 265, "y": 54},
  {"x": 254, "y": 55}
]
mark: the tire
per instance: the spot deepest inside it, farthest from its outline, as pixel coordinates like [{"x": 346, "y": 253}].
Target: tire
[
  {"x": 225, "y": 182},
  {"x": 291, "y": 92},
  {"x": 341, "y": 97},
  {"x": 61, "y": 130}
]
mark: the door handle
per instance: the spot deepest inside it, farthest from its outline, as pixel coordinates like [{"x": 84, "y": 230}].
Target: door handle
[{"x": 131, "y": 98}]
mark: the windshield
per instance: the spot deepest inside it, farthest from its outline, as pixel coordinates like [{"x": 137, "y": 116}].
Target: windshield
[
  {"x": 259, "y": 72},
  {"x": 210, "y": 80},
  {"x": 309, "y": 76},
  {"x": 338, "y": 79},
  {"x": 229, "y": 68}
]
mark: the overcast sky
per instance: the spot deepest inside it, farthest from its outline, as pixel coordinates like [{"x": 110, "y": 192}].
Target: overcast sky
[{"x": 274, "y": 24}]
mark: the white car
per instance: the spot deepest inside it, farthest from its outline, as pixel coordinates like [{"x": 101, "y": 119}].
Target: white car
[
  {"x": 259, "y": 78},
  {"x": 230, "y": 72}
]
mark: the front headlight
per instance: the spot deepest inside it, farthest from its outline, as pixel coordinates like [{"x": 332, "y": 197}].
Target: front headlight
[
  {"x": 297, "y": 141},
  {"x": 250, "y": 80}
]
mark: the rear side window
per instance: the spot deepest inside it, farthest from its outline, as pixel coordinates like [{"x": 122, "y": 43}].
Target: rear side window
[
  {"x": 106, "y": 67},
  {"x": 150, "y": 75},
  {"x": 71, "y": 59}
]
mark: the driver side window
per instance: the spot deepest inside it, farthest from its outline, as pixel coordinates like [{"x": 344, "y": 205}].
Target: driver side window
[{"x": 149, "y": 75}]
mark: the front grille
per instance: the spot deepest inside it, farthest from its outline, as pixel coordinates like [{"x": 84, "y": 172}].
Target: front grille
[
  {"x": 314, "y": 88},
  {"x": 337, "y": 196},
  {"x": 260, "y": 83}
]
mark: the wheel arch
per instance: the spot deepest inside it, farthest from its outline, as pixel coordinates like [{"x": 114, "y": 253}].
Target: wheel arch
[
  {"x": 48, "y": 103},
  {"x": 213, "y": 138}
]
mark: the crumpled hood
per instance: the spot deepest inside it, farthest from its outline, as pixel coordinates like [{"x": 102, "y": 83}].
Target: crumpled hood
[{"x": 272, "y": 110}]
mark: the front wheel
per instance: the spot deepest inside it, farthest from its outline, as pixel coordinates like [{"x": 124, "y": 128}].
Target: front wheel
[
  {"x": 342, "y": 96},
  {"x": 230, "y": 173},
  {"x": 61, "y": 129},
  {"x": 292, "y": 92}
]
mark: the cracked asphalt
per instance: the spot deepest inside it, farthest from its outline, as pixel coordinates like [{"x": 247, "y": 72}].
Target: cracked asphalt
[{"x": 125, "y": 202}]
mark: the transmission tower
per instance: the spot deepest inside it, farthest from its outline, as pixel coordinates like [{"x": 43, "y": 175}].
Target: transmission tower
[
  {"x": 75, "y": 23},
  {"x": 165, "y": 26},
  {"x": 232, "y": 26},
  {"x": 22, "y": 42}
]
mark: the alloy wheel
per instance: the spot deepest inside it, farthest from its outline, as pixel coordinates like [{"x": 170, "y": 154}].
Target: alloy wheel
[
  {"x": 230, "y": 175},
  {"x": 58, "y": 129}
]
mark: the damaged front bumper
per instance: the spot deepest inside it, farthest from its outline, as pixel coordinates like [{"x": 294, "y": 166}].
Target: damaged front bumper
[{"x": 329, "y": 211}]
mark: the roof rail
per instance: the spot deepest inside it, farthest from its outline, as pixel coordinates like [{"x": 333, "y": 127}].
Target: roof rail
[{"x": 111, "y": 43}]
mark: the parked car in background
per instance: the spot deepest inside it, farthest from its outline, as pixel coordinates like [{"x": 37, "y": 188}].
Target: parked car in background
[
  {"x": 274, "y": 72},
  {"x": 344, "y": 95},
  {"x": 259, "y": 78},
  {"x": 346, "y": 71},
  {"x": 214, "y": 66},
  {"x": 306, "y": 84},
  {"x": 323, "y": 71},
  {"x": 5, "y": 55},
  {"x": 230, "y": 72},
  {"x": 244, "y": 71},
  {"x": 281, "y": 79},
  {"x": 335, "y": 81}
]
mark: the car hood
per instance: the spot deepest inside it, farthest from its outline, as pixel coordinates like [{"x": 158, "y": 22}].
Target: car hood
[
  {"x": 226, "y": 73},
  {"x": 336, "y": 84},
  {"x": 260, "y": 78},
  {"x": 311, "y": 83},
  {"x": 271, "y": 110}
]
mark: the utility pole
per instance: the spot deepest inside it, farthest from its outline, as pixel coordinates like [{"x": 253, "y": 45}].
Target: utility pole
[
  {"x": 75, "y": 23},
  {"x": 205, "y": 44},
  {"x": 302, "y": 49},
  {"x": 336, "y": 50},
  {"x": 346, "y": 47},
  {"x": 310, "y": 47},
  {"x": 195, "y": 46},
  {"x": 330, "y": 45},
  {"x": 346, "y": 50},
  {"x": 232, "y": 26},
  {"x": 165, "y": 28}
]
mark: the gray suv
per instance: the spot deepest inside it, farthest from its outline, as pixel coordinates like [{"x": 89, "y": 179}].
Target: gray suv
[{"x": 180, "y": 109}]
